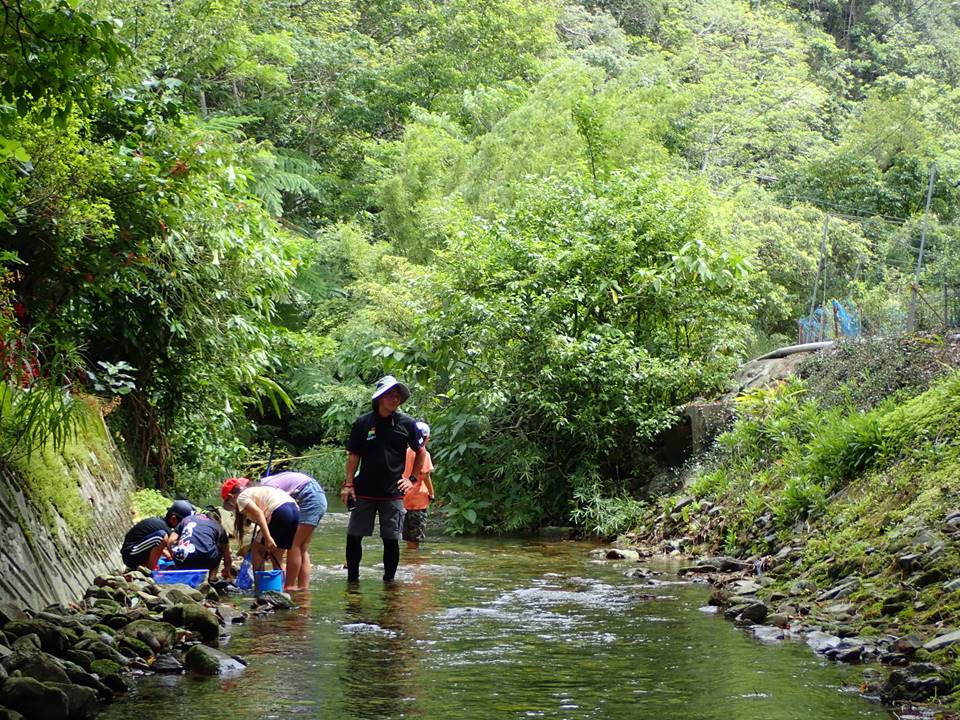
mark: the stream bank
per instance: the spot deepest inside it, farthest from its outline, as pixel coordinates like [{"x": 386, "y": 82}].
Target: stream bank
[{"x": 835, "y": 499}]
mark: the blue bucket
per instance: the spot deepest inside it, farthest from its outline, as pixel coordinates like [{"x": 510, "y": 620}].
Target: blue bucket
[
  {"x": 267, "y": 580},
  {"x": 193, "y": 578}
]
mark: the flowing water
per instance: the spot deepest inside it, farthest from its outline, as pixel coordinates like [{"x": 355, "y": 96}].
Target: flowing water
[{"x": 493, "y": 628}]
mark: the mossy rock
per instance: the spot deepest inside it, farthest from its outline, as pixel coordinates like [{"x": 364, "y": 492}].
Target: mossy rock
[
  {"x": 104, "y": 667},
  {"x": 34, "y": 699},
  {"x": 157, "y": 635},
  {"x": 203, "y": 660},
  {"x": 105, "y": 629},
  {"x": 82, "y": 700},
  {"x": 53, "y": 639},
  {"x": 137, "y": 647},
  {"x": 195, "y": 618}
]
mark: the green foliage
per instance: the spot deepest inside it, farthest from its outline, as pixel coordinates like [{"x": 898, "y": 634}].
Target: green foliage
[
  {"x": 556, "y": 359},
  {"x": 559, "y": 220},
  {"x": 149, "y": 503}
]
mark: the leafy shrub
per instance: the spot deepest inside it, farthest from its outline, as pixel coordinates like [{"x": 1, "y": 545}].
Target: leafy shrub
[
  {"x": 149, "y": 503},
  {"x": 801, "y": 498}
]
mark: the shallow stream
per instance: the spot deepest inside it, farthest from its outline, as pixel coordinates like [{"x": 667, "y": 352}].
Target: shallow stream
[{"x": 505, "y": 629}]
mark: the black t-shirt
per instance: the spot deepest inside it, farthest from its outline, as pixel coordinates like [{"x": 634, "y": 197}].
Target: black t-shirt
[
  {"x": 142, "y": 530},
  {"x": 381, "y": 443},
  {"x": 198, "y": 536}
]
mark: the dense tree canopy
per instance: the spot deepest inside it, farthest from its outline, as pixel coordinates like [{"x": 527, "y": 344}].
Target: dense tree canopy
[{"x": 559, "y": 220}]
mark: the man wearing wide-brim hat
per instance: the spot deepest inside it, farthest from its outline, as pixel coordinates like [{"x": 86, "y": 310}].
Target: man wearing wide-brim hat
[{"x": 376, "y": 455}]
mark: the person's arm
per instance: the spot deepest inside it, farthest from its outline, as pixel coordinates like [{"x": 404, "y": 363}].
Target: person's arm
[
  {"x": 227, "y": 560},
  {"x": 405, "y": 483},
  {"x": 427, "y": 482},
  {"x": 347, "y": 491},
  {"x": 253, "y": 511},
  {"x": 172, "y": 539}
]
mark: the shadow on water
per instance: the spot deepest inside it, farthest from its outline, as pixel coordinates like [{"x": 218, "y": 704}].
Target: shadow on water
[{"x": 492, "y": 628}]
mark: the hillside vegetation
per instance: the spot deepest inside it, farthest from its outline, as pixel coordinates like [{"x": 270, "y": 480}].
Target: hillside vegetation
[{"x": 846, "y": 478}]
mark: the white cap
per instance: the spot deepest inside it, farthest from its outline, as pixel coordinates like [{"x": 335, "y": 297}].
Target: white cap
[
  {"x": 387, "y": 383},
  {"x": 423, "y": 428}
]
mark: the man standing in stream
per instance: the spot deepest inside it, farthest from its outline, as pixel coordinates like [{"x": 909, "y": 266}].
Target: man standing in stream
[{"x": 378, "y": 447}]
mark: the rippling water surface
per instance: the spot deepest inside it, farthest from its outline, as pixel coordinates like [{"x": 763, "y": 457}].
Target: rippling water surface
[{"x": 502, "y": 629}]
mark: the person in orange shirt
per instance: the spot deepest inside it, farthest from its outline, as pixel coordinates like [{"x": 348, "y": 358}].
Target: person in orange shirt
[{"x": 417, "y": 499}]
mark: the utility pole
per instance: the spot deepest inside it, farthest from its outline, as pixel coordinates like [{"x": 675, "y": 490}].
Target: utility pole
[
  {"x": 820, "y": 268},
  {"x": 915, "y": 291}
]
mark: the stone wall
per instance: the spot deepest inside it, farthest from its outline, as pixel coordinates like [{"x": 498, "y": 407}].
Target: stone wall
[{"x": 43, "y": 561}]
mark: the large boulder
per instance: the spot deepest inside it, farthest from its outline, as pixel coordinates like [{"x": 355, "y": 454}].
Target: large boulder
[
  {"x": 79, "y": 676},
  {"x": 82, "y": 700},
  {"x": 40, "y": 666},
  {"x": 34, "y": 699},
  {"x": 53, "y": 639},
  {"x": 203, "y": 660},
  {"x": 195, "y": 618}
]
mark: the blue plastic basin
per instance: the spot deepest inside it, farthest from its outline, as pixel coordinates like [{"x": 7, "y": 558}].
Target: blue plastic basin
[{"x": 193, "y": 578}]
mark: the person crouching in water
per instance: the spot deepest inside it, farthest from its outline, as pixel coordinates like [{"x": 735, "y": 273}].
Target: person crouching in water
[
  {"x": 146, "y": 542},
  {"x": 198, "y": 542},
  {"x": 273, "y": 511},
  {"x": 417, "y": 499}
]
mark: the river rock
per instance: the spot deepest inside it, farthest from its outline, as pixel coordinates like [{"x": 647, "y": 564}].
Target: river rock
[
  {"x": 40, "y": 666},
  {"x": 779, "y": 620},
  {"x": 115, "y": 682},
  {"x": 277, "y": 600},
  {"x": 195, "y": 618},
  {"x": 908, "y": 645},
  {"x": 942, "y": 641},
  {"x": 101, "y": 651},
  {"x": 133, "y": 647},
  {"x": 27, "y": 644},
  {"x": 81, "y": 700},
  {"x": 179, "y": 593},
  {"x": 78, "y": 676},
  {"x": 103, "y": 667},
  {"x": 53, "y": 639},
  {"x": 745, "y": 587},
  {"x": 844, "y": 589},
  {"x": 841, "y": 609},
  {"x": 157, "y": 635},
  {"x": 754, "y": 612},
  {"x": 767, "y": 634},
  {"x": 166, "y": 663},
  {"x": 230, "y": 615},
  {"x": 204, "y": 660},
  {"x": 10, "y": 612},
  {"x": 820, "y": 641},
  {"x": 80, "y": 657},
  {"x": 802, "y": 586},
  {"x": 622, "y": 554},
  {"x": 34, "y": 699},
  {"x": 917, "y": 682}
]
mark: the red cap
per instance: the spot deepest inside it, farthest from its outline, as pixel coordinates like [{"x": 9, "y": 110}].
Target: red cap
[{"x": 230, "y": 483}]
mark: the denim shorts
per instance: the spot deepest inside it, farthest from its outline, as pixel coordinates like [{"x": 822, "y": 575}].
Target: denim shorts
[{"x": 312, "y": 502}]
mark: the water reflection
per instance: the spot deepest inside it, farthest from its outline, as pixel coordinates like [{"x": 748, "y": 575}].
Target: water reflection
[{"x": 495, "y": 629}]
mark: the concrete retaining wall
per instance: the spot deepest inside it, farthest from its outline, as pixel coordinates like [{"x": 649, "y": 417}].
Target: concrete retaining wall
[{"x": 39, "y": 565}]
